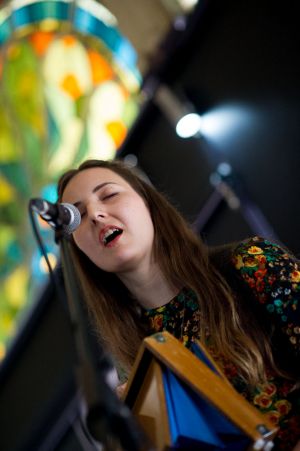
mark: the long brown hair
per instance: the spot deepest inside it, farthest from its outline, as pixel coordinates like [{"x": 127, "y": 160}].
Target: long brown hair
[{"x": 184, "y": 260}]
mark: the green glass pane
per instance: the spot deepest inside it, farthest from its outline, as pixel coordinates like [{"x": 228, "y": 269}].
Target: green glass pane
[
  {"x": 9, "y": 149},
  {"x": 18, "y": 177}
]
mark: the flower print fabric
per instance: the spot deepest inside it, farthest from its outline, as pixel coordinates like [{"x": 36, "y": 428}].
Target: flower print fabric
[
  {"x": 180, "y": 317},
  {"x": 273, "y": 277}
]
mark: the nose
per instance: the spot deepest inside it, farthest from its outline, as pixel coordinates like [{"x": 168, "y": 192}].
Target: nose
[{"x": 96, "y": 213}]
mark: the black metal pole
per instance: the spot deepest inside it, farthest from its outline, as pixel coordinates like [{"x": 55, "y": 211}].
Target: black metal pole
[{"x": 108, "y": 418}]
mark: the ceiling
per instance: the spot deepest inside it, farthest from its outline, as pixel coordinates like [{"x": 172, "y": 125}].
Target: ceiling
[{"x": 144, "y": 23}]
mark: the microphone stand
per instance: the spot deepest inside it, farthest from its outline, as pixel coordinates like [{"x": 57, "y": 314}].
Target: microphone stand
[{"x": 108, "y": 418}]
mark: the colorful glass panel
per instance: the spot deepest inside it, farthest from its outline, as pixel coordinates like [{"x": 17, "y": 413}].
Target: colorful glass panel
[{"x": 69, "y": 90}]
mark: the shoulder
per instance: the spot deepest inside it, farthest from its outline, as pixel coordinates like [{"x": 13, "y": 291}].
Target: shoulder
[
  {"x": 256, "y": 246},
  {"x": 249, "y": 253},
  {"x": 267, "y": 268},
  {"x": 257, "y": 257},
  {"x": 270, "y": 274}
]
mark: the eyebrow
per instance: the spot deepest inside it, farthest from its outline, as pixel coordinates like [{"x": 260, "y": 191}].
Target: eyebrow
[{"x": 94, "y": 190}]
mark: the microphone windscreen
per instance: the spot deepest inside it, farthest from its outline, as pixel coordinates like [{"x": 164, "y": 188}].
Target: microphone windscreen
[{"x": 75, "y": 218}]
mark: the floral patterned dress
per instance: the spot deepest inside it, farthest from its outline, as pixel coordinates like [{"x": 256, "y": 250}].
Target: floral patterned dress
[{"x": 274, "y": 279}]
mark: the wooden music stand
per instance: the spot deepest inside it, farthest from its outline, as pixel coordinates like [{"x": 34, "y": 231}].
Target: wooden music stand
[{"x": 184, "y": 402}]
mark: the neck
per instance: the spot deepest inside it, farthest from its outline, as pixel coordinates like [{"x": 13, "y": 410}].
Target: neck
[{"x": 149, "y": 287}]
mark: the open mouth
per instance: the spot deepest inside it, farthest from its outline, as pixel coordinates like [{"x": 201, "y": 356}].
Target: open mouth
[{"x": 110, "y": 235}]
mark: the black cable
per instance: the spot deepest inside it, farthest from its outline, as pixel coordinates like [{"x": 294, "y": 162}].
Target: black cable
[{"x": 37, "y": 235}]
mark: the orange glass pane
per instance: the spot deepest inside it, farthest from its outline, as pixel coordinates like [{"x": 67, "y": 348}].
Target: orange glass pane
[
  {"x": 101, "y": 70},
  {"x": 69, "y": 40},
  {"x": 117, "y": 130},
  {"x": 40, "y": 41},
  {"x": 70, "y": 85}
]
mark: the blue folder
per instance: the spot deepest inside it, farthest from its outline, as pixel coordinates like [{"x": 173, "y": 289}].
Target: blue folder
[{"x": 195, "y": 424}]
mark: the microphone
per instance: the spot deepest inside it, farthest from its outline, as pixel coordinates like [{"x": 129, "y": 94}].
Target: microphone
[{"x": 63, "y": 215}]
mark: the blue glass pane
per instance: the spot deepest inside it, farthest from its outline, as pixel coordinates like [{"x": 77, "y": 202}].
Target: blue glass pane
[
  {"x": 85, "y": 23},
  {"x": 40, "y": 11},
  {"x": 5, "y": 31}
]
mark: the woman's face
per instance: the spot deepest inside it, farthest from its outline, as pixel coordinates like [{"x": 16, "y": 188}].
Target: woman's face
[{"x": 116, "y": 230}]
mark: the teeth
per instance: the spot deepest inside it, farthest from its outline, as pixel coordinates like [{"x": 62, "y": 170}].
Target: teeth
[{"x": 108, "y": 233}]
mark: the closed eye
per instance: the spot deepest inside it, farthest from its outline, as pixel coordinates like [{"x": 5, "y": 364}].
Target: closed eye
[{"x": 109, "y": 196}]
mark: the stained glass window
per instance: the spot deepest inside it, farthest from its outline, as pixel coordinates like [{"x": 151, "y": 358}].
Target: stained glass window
[{"x": 69, "y": 90}]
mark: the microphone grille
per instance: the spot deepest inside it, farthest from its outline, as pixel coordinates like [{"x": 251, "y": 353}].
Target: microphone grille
[{"x": 75, "y": 218}]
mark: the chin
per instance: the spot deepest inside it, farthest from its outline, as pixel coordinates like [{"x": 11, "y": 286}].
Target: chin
[{"x": 118, "y": 268}]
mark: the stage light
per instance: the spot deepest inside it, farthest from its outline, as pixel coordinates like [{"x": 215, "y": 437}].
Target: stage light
[
  {"x": 189, "y": 125},
  {"x": 179, "y": 111},
  {"x": 224, "y": 124},
  {"x": 224, "y": 169}
]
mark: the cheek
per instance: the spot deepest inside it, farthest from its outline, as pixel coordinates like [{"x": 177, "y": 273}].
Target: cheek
[
  {"x": 79, "y": 240},
  {"x": 146, "y": 224}
]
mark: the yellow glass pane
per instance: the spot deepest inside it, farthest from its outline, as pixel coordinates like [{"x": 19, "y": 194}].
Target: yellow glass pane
[{"x": 7, "y": 192}]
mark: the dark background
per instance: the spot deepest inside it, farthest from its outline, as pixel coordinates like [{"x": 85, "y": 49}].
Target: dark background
[
  {"x": 233, "y": 55},
  {"x": 239, "y": 56}
]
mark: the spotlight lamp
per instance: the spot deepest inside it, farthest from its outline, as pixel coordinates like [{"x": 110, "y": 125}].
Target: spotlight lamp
[{"x": 180, "y": 113}]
